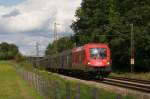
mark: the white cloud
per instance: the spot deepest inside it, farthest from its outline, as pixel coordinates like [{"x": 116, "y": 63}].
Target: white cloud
[
  {"x": 4, "y": 10},
  {"x": 33, "y": 20},
  {"x": 33, "y": 14}
]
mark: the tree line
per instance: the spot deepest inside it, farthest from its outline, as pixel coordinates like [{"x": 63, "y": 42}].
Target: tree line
[
  {"x": 8, "y": 51},
  {"x": 109, "y": 21}
]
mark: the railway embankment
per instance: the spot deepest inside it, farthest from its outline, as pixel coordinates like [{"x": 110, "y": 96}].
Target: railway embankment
[
  {"x": 116, "y": 87},
  {"x": 58, "y": 86}
]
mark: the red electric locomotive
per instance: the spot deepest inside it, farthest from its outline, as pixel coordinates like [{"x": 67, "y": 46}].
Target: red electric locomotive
[{"x": 93, "y": 58}]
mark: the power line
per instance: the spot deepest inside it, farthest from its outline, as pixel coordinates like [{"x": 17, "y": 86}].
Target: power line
[
  {"x": 108, "y": 35},
  {"x": 132, "y": 60},
  {"x": 119, "y": 33}
]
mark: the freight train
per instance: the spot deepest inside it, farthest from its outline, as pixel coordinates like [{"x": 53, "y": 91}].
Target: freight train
[{"x": 91, "y": 59}]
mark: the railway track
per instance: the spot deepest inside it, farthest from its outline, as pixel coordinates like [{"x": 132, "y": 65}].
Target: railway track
[{"x": 135, "y": 84}]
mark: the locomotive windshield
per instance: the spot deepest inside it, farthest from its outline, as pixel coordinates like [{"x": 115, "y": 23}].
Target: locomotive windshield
[{"x": 98, "y": 53}]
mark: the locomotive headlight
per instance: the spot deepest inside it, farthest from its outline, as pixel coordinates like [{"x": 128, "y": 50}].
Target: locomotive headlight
[
  {"x": 108, "y": 63},
  {"x": 89, "y": 63}
]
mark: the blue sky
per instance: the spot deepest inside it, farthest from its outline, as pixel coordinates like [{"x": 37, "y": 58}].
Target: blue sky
[
  {"x": 25, "y": 22},
  {"x": 10, "y": 2}
]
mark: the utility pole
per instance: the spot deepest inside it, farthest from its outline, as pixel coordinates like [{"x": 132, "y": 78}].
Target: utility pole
[
  {"x": 55, "y": 33},
  {"x": 132, "y": 49},
  {"x": 37, "y": 49}
]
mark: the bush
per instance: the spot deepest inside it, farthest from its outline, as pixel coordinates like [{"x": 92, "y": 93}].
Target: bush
[
  {"x": 8, "y": 51},
  {"x": 19, "y": 57}
]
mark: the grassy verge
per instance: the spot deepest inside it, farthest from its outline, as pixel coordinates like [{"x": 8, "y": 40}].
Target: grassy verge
[
  {"x": 12, "y": 86},
  {"x": 61, "y": 84}
]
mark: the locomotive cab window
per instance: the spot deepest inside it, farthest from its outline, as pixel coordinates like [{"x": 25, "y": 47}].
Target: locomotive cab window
[{"x": 98, "y": 53}]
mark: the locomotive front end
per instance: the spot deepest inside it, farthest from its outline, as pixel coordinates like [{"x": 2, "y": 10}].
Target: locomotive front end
[{"x": 99, "y": 58}]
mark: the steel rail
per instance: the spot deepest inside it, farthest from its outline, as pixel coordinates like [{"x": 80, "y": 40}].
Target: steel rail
[
  {"x": 128, "y": 83},
  {"x": 130, "y": 79}
]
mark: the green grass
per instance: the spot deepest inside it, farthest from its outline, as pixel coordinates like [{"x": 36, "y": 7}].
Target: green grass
[{"x": 12, "y": 86}]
